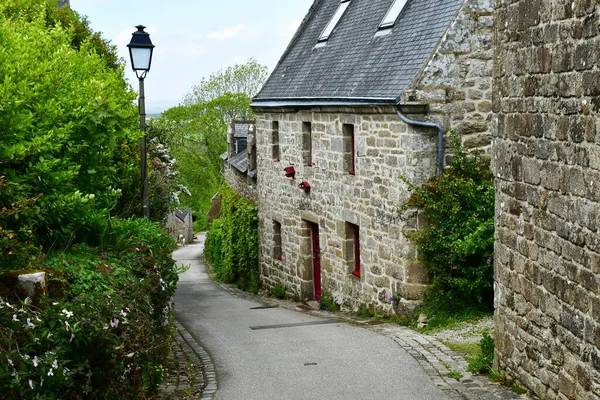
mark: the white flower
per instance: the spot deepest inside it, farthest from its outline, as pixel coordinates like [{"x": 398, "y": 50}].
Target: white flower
[
  {"x": 29, "y": 324},
  {"x": 26, "y": 357},
  {"x": 30, "y": 384},
  {"x": 35, "y": 361},
  {"x": 67, "y": 313},
  {"x": 41, "y": 382},
  {"x": 123, "y": 313},
  {"x": 67, "y": 326},
  {"x": 15, "y": 317},
  {"x": 54, "y": 303},
  {"x": 55, "y": 364},
  {"x": 72, "y": 337},
  {"x": 114, "y": 323},
  {"x": 50, "y": 373}
]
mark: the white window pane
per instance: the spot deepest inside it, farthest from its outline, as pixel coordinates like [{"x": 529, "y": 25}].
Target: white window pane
[
  {"x": 334, "y": 21},
  {"x": 141, "y": 58},
  {"x": 392, "y": 14}
]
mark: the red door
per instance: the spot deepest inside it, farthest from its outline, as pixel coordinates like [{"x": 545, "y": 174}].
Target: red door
[{"x": 316, "y": 261}]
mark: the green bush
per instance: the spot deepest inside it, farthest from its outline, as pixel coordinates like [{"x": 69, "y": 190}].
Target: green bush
[
  {"x": 232, "y": 242},
  {"x": 457, "y": 243},
  {"x": 107, "y": 332},
  {"x": 65, "y": 115}
]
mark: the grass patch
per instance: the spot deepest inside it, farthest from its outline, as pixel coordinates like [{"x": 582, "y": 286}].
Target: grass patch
[
  {"x": 455, "y": 375},
  {"x": 469, "y": 351},
  {"x": 501, "y": 379}
]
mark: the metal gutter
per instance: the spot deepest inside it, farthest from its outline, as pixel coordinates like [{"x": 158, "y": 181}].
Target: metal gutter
[
  {"x": 325, "y": 101},
  {"x": 440, "y": 131}
]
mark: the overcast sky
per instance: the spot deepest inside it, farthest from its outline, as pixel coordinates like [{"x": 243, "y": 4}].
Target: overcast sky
[{"x": 195, "y": 38}]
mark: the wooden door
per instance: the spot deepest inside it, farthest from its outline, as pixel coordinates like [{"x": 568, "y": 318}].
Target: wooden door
[{"x": 316, "y": 260}]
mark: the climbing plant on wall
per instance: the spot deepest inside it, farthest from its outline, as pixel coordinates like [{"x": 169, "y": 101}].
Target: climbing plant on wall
[
  {"x": 232, "y": 243},
  {"x": 456, "y": 244}
]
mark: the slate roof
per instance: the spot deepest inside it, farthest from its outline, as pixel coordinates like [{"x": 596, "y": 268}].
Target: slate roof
[
  {"x": 181, "y": 215},
  {"x": 240, "y": 161},
  {"x": 355, "y": 63}
]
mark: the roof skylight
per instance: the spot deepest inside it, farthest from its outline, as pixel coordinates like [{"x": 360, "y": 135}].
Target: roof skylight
[
  {"x": 392, "y": 14},
  {"x": 334, "y": 21}
]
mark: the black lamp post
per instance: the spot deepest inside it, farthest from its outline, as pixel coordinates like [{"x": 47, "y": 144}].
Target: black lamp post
[{"x": 140, "y": 51}]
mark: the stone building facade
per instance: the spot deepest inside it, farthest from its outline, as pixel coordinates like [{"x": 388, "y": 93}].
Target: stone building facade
[
  {"x": 329, "y": 112},
  {"x": 547, "y": 162}
]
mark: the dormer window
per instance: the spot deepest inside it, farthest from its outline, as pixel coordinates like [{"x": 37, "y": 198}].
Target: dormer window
[
  {"x": 392, "y": 14},
  {"x": 334, "y": 21}
]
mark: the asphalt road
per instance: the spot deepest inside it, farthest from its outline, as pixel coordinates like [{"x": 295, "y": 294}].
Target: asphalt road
[{"x": 276, "y": 353}]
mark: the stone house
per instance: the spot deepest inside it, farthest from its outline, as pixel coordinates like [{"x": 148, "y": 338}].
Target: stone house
[
  {"x": 547, "y": 164},
  {"x": 180, "y": 224},
  {"x": 362, "y": 96},
  {"x": 240, "y": 158}
]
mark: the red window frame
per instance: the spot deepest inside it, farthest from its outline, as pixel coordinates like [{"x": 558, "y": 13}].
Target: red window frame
[{"x": 356, "y": 238}]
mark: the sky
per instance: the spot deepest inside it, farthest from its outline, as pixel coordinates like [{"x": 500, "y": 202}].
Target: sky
[{"x": 195, "y": 38}]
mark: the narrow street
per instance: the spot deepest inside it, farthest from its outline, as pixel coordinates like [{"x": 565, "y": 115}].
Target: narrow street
[{"x": 275, "y": 353}]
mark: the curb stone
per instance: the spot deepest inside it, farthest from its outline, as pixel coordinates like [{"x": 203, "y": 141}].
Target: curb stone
[
  {"x": 436, "y": 359},
  {"x": 201, "y": 384}
]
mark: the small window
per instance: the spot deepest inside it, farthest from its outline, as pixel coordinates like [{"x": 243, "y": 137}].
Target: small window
[
  {"x": 352, "y": 251},
  {"x": 240, "y": 145},
  {"x": 277, "y": 248},
  {"x": 334, "y": 21},
  {"x": 275, "y": 140},
  {"x": 392, "y": 14},
  {"x": 349, "y": 149},
  {"x": 307, "y": 143}
]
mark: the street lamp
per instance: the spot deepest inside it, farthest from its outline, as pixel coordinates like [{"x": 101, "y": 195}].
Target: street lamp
[{"x": 140, "y": 51}]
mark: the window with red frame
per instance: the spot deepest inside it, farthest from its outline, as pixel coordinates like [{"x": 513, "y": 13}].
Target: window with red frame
[
  {"x": 349, "y": 148},
  {"x": 277, "y": 248},
  {"x": 307, "y": 143},
  {"x": 352, "y": 250}
]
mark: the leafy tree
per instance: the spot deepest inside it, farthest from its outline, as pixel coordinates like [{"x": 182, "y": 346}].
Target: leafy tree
[
  {"x": 196, "y": 131},
  {"x": 54, "y": 16},
  {"x": 65, "y": 114},
  {"x": 245, "y": 79}
]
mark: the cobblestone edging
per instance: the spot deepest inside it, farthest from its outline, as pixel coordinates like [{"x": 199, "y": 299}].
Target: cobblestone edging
[
  {"x": 192, "y": 373},
  {"x": 436, "y": 359}
]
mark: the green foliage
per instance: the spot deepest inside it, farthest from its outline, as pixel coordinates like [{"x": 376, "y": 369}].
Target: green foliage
[
  {"x": 279, "y": 291},
  {"x": 501, "y": 379},
  {"x": 246, "y": 79},
  {"x": 67, "y": 18},
  {"x": 328, "y": 303},
  {"x": 232, "y": 243},
  {"x": 457, "y": 244},
  {"x": 455, "y": 375},
  {"x": 482, "y": 363},
  {"x": 64, "y": 117},
  {"x": 105, "y": 335},
  {"x": 196, "y": 131}
]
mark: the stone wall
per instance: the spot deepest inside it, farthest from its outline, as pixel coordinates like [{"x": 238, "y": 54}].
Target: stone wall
[
  {"x": 457, "y": 80},
  {"x": 241, "y": 182},
  {"x": 547, "y": 162},
  {"x": 386, "y": 148}
]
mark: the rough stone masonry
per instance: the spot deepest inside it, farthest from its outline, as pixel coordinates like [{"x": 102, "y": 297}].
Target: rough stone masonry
[{"x": 547, "y": 163}]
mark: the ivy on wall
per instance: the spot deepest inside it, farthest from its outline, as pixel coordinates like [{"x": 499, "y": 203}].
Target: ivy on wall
[{"x": 232, "y": 243}]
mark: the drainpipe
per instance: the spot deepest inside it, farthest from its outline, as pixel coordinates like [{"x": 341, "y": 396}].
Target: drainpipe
[{"x": 440, "y": 131}]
